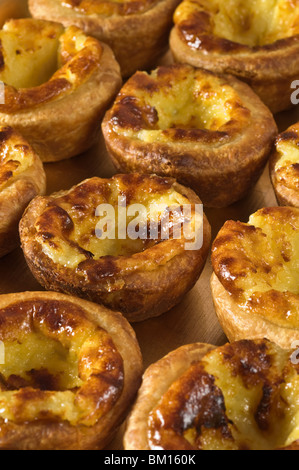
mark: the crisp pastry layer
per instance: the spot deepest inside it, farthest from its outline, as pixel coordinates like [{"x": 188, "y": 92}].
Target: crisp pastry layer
[
  {"x": 284, "y": 167},
  {"x": 241, "y": 396},
  {"x": 136, "y": 30},
  {"x": 87, "y": 241},
  {"x": 211, "y": 133},
  {"x": 109, "y": 8},
  {"x": 65, "y": 372},
  {"x": 255, "y": 286},
  {"x": 48, "y": 73},
  {"x": 22, "y": 177},
  {"x": 257, "y": 41}
]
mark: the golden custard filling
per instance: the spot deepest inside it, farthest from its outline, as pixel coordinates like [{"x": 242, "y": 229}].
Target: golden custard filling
[
  {"x": 29, "y": 52},
  {"x": 109, "y": 8},
  {"x": 242, "y": 396},
  {"x": 102, "y": 218},
  {"x": 40, "y": 61},
  {"x": 258, "y": 263},
  {"x": 287, "y": 165},
  {"x": 57, "y": 365},
  {"x": 178, "y": 103},
  {"x": 254, "y": 23}
]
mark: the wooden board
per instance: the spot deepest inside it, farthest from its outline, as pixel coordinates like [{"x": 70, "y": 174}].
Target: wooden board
[{"x": 194, "y": 320}]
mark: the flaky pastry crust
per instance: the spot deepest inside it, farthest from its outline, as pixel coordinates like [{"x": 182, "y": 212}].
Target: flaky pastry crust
[
  {"x": 137, "y": 31},
  {"x": 256, "y": 41},
  {"x": 239, "y": 396},
  {"x": 156, "y": 381},
  {"x": 211, "y": 133},
  {"x": 284, "y": 167},
  {"x": 59, "y": 114},
  {"x": 139, "y": 277},
  {"x": 56, "y": 404},
  {"x": 22, "y": 177},
  {"x": 254, "y": 285}
]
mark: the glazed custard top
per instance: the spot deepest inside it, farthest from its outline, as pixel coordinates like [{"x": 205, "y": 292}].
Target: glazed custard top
[
  {"x": 287, "y": 164},
  {"x": 40, "y": 62},
  {"x": 178, "y": 103},
  {"x": 258, "y": 263},
  {"x": 16, "y": 157},
  {"x": 58, "y": 365},
  {"x": 93, "y": 228},
  {"x": 109, "y": 8},
  {"x": 227, "y": 26},
  {"x": 243, "y": 396}
]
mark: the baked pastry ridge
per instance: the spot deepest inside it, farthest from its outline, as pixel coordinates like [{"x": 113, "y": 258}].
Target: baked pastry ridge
[
  {"x": 136, "y": 30},
  {"x": 99, "y": 7},
  {"x": 69, "y": 250},
  {"x": 22, "y": 177},
  {"x": 240, "y": 396},
  {"x": 255, "y": 281},
  {"x": 64, "y": 373},
  {"x": 256, "y": 41},
  {"x": 234, "y": 24},
  {"x": 63, "y": 60},
  {"x": 55, "y": 80},
  {"x": 284, "y": 167},
  {"x": 209, "y": 132}
]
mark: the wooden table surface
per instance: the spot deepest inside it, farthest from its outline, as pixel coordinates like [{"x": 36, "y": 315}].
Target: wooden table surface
[{"x": 194, "y": 320}]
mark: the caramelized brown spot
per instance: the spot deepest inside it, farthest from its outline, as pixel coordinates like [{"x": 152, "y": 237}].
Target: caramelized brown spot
[
  {"x": 249, "y": 360},
  {"x": 197, "y": 33},
  {"x": 288, "y": 135},
  {"x": 129, "y": 114},
  {"x": 143, "y": 81},
  {"x": 262, "y": 415},
  {"x": 13, "y": 382},
  {"x": 97, "y": 271},
  {"x": 194, "y": 401},
  {"x": 5, "y": 134},
  {"x": 42, "y": 379}
]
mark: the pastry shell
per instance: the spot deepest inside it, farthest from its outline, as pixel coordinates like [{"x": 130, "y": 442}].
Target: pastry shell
[
  {"x": 238, "y": 324},
  {"x": 153, "y": 128},
  {"x": 284, "y": 167},
  {"x": 254, "y": 286},
  {"x": 22, "y": 177},
  {"x": 136, "y": 31},
  {"x": 143, "y": 280},
  {"x": 269, "y": 69},
  {"x": 60, "y": 116},
  {"x": 217, "y": 398},
  {"x": 170, "y": 368},
  {"x": 61, "y": 317}
]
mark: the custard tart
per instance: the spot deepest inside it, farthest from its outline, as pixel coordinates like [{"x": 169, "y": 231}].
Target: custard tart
[
  {"x": 257, "y": 41},
  {"x": 284, "y": 167},
  {"x": 22, "y": 177},
  {"x": 69, "y": 372},
  {"x": 240, "y": 396},
  {"x": 134, "y": 243},
  {"x": 255, "y": 279},
  {"x": 57, "y": 85},
  {"x": 136, "y": 30},
  {"x": 211, "y": 133}
]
